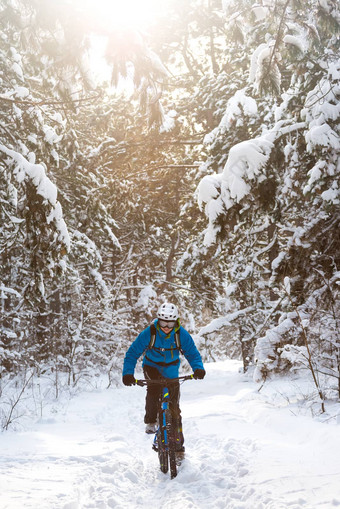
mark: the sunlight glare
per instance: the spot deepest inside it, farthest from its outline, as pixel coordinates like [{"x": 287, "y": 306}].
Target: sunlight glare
[
  {"x": 126, "y": 13},
  {"x": 106, "y": 16}
]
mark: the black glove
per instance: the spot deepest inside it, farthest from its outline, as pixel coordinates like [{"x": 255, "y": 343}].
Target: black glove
[
  {"x": 129, "y": 380},
  {"x": 199, "y": 374}
]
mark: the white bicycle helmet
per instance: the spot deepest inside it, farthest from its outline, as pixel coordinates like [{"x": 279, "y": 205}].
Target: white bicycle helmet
[{"x": 167, "y": 311}]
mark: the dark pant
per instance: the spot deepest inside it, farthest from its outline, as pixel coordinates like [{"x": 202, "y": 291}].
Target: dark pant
[{"x": 153, "y": 393}]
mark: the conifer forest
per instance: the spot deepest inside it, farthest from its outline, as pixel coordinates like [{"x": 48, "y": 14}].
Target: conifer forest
[{"x": 194, "y": 161}]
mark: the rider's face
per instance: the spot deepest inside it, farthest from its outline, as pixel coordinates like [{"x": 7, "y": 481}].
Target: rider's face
[
  {"x": 166, "y": 329},
  {"x": 166, "y": 325}
]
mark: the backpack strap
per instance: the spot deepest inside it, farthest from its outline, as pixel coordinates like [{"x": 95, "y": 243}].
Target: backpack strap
[
  {"x": 178, "y": 341},
  {"x": 153, "y": 338}
]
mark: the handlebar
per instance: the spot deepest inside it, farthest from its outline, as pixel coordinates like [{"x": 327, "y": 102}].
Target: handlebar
[{"x": 164, "y": 381}]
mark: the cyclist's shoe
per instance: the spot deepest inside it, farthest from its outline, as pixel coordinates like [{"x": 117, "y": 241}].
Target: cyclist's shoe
[
  {"x": 151, "y": 428},
  {"x": 179, "y": 458},
  {"x": 179, "y": 440}
]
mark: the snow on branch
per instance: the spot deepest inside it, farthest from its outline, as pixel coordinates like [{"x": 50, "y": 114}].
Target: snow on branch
[
  {"x": 44, "y": 188},
  {"x": 265, "y": 350},
  {"x": 221, "y": 191},
  {"x": 245, "y": 161},
  {"x": 146, "y": 298},
  {"x": 5, "y": 289},
  {"x": 224, "y": 321},
  {"x": 112, "y": 237},
  {"x": 322, "y": 111},
  {"x": 264, "y": 71},
  {"x": 245, "y": 164},
  {"x": 209, "y": 188},
  {"x": 298, "y": 42},
  {"x": 239, "y": 106},
  {"x": 322, "y": 135},
  {"x": 321, "y": 105}
]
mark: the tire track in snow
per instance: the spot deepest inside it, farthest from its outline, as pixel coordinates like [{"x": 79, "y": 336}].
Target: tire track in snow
[
  {"x": 211, "y": 475},
  {"x": 206, "y": 478}
]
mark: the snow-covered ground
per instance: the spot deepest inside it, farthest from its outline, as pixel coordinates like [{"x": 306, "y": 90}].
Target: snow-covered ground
[{"x": 244, "y": 450}]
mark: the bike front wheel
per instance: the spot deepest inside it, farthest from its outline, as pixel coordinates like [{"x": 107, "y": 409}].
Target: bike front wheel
[
  {"x": 171, "y": 444},
  {"x": 163, "y": 456}
]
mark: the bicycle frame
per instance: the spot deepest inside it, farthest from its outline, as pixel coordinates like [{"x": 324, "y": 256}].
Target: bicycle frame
[{"x": 164, "y": 441}]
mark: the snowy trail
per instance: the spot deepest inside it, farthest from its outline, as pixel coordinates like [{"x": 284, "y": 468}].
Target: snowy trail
[{"x": 245, "y": 450}]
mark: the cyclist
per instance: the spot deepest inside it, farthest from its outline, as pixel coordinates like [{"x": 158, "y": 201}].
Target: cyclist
[{"x": 161, "y": 360}]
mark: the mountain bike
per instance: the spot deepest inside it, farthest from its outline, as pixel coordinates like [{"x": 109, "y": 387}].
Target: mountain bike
[{"x": 165, "y": 437}]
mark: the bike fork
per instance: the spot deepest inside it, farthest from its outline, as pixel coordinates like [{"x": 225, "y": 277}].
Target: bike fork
[{"x": 162, "y": 428}]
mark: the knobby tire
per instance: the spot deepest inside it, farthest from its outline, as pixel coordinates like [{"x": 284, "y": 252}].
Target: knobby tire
[
  {"x": 171, "y": 444},
  {"x": 162, "y": 452}
]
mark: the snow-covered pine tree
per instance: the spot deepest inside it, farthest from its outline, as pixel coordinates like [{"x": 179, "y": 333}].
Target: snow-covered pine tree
[
  {"x": 46, "y": 92},
  {"x": 281, "y": 183}
]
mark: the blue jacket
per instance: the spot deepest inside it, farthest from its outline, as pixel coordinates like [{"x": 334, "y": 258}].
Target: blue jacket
[{"x": 164, "y": 355}]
